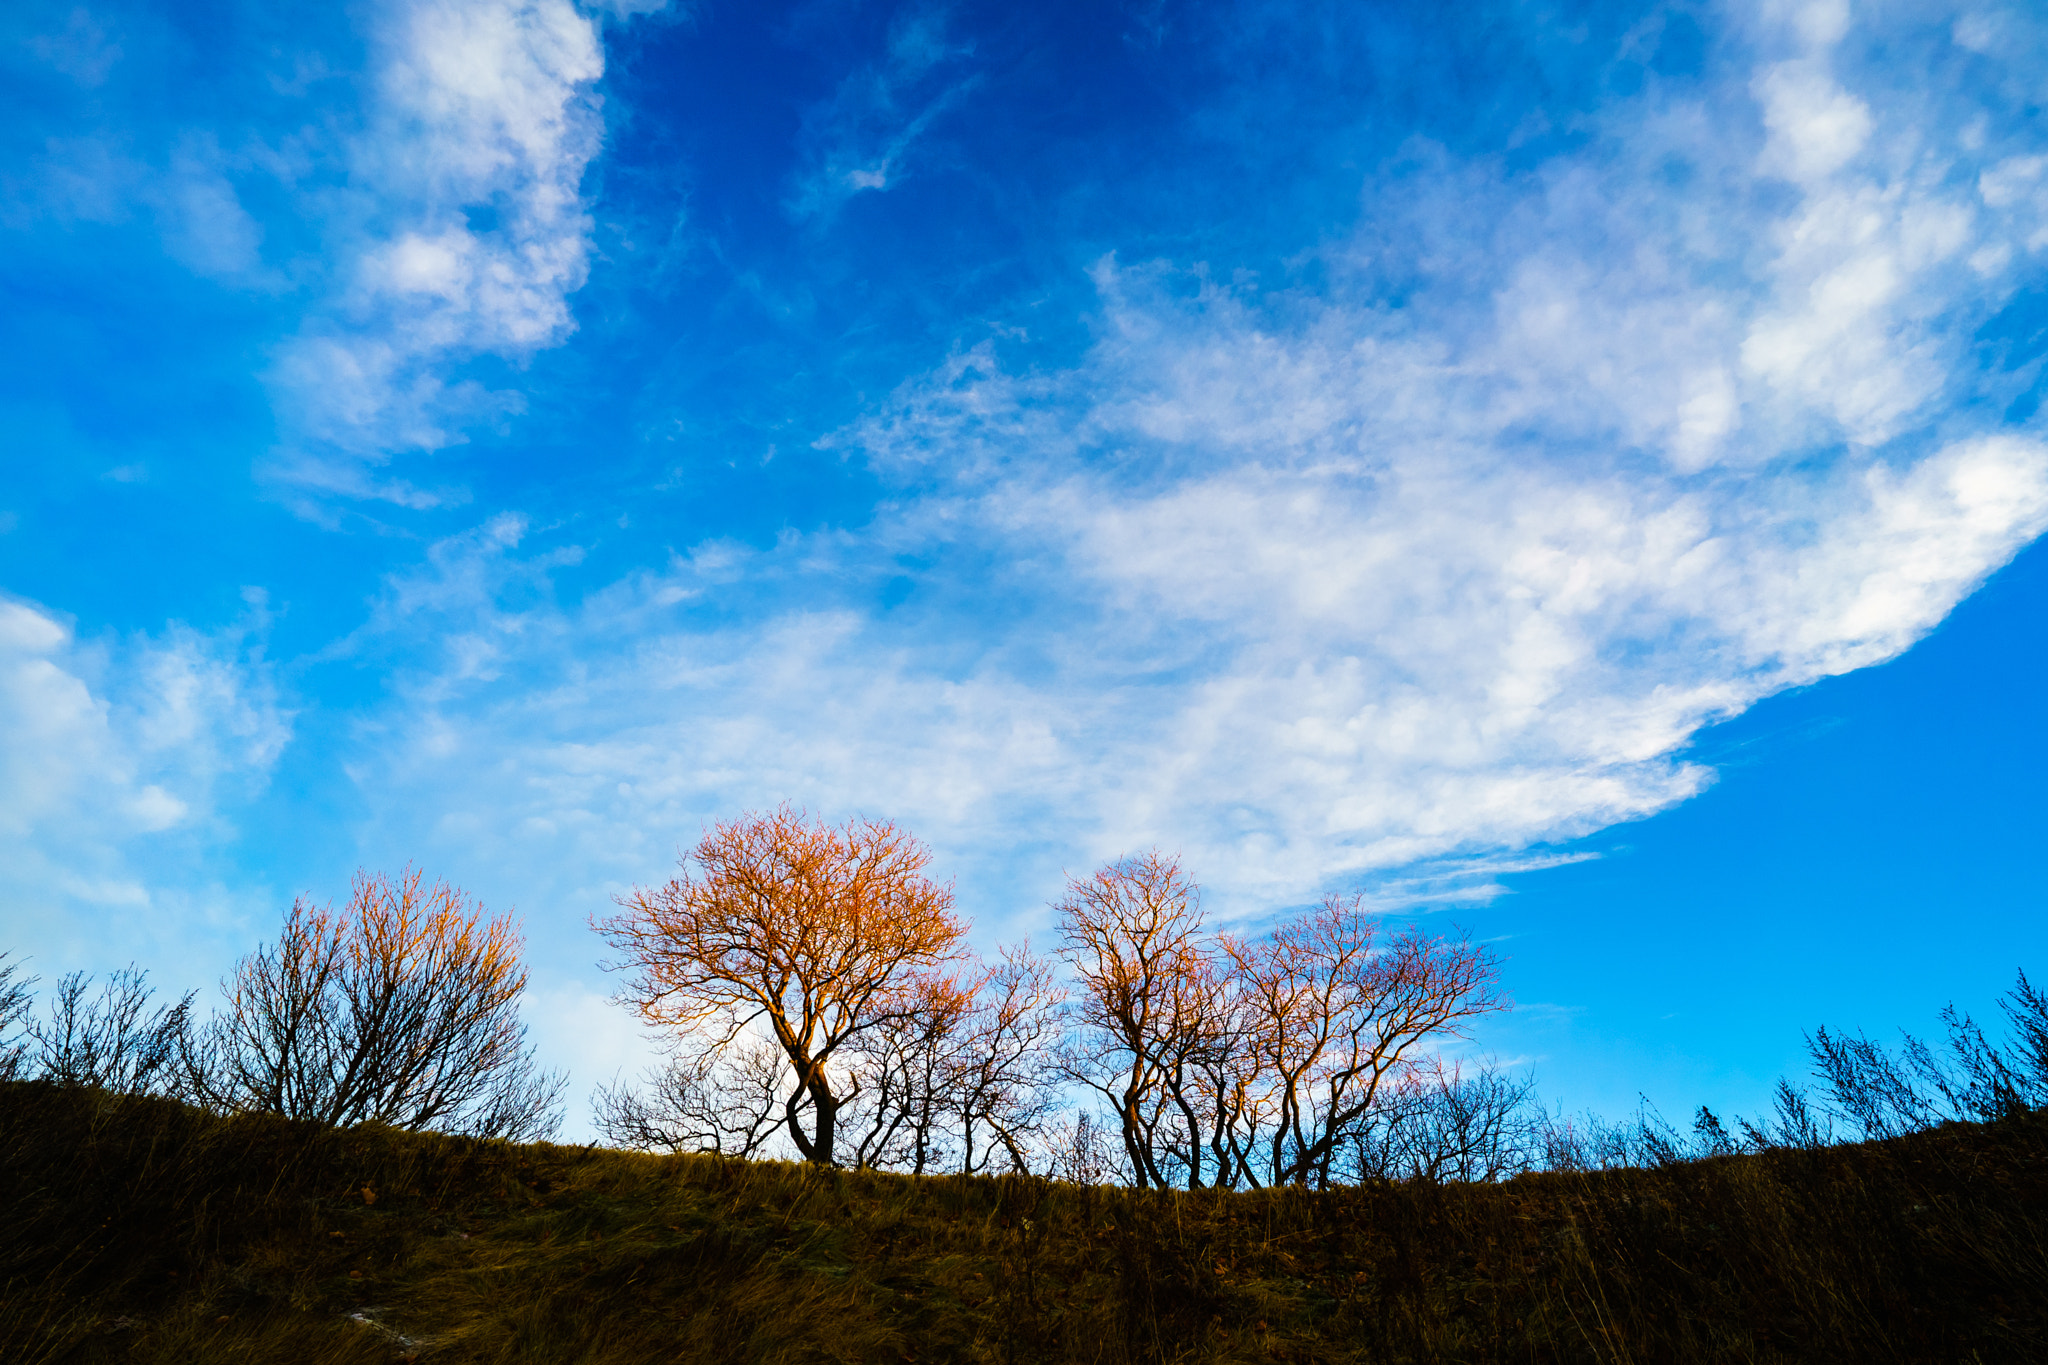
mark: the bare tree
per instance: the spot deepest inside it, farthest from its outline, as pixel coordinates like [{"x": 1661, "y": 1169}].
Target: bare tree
[
  {"x": 899, "y": 1072},
  {"x": 1080, "y": 1152},
  {"x": 730, "y": 1104},
  {"x": 1236, "y": 1093},
  {"x": 112, "y": 1040},
  {"x": 1148, "y": 1007},
  {"x": 964, "y": 1081},
  {"x": 1445, "y": 1124},
  {"x": 1339, "y": 1010},
  {"x": 817, "y": 933},
  {"x": 400, "y": 1009},
  {"x": 16, "y": 993},
  {"x": 1003, "y": 1076},
  {"x": 1230, "y": 1062}
]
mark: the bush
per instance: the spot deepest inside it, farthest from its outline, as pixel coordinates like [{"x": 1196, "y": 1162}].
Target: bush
[{"x": 401, "y": 1009}]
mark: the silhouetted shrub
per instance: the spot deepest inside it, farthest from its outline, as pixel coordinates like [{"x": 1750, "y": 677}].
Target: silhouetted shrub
[
  {"x": 111, "y": 1039},
  {"x": 402, "y": 1009}
]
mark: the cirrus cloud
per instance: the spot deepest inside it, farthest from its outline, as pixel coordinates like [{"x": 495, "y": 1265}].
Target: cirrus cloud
[
  {"x": 1316, "y": 585},
  {"x": 117, "y": 760},
  {"x": 461, "y": 232}
]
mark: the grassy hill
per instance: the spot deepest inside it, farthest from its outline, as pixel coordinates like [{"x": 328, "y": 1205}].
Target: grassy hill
[{"x": 137, "y": 1230}]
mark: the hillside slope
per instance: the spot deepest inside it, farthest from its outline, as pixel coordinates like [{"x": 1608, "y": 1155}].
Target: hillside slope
[{"x": 137, "y": 1230}]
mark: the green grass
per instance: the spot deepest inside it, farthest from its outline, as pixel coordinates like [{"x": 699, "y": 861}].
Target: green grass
[{"x": 137, "y": 1230}]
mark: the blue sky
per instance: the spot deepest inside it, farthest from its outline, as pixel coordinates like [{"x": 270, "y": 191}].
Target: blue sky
[{"x": 1567, "y": 470}]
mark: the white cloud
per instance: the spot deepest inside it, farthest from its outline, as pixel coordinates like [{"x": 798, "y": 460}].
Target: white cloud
[
  {"x": 2011, "y": 181},
  {"x": 2012, "y": 35},
  {"x": 204, "y": 224},
  {"x": 1816, "y": 126},
  {"x": 1810, "y": 23},
  {"x": 106, "y": 751},
  {"x": 1308, "y": 586},
  {"x": 1298, "y": 676},
  {"x": 464, "y": 233},
  {"x": 2016, "y": 190}
]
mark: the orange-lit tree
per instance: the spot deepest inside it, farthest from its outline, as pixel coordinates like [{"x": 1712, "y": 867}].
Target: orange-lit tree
[
  {"x": 1148, "y": 1007},
  {"x": 819, "y": 933},
  {"x": 400, "y": 1008},
  {"x": 1338, "y": 1009},
  {"x": 1233, "y": 1063}
]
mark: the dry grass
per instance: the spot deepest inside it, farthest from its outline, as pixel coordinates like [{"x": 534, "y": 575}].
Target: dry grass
[{"x": 137, "y": 1230}]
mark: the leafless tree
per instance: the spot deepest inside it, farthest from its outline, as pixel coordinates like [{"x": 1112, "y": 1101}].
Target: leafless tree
[
  {"x": 112, "y": 1040},
  {"x": 1001, "y": 1085},
  {"x": 958, "y": 1083},
  {"x": 1445, "y": 1123},
  {"x": 16, "y": 994},
  {"x": 818, "y": 934},
  {"x": 401, "y": 1009},
  {"x": 1339, "y": 1010},
  {"x": 1235, "y": 1093},
  {"x": 1235, "y": 1062},
  {"x": 1149, "y": 1005},
  {"x": 729, "y": 1103},
  {"x": 963, "y": 1082},
  {"x": 1079, "y": 1150},
  {"x": 898, "y": 1073}
]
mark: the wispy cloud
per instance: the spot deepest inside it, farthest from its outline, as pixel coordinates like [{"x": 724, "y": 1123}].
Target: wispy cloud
[
  {"x": 862, "y": 139},
  {"x": 113, "y": 752},
  {"x": 1315, "y": 587},
  {"x": 411, "y": 194},
  {"x": 462, "y": 233},
  {"x": 84, "y": 48},
  {"x": 204, "y": 223}
]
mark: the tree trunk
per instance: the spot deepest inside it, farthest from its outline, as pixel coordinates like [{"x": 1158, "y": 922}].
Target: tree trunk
[{"x": 827, "y": 1106}]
